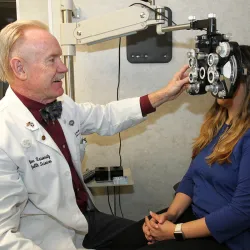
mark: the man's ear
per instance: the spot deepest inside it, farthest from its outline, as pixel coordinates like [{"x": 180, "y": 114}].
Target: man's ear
[{"x": 18, "y": 68}]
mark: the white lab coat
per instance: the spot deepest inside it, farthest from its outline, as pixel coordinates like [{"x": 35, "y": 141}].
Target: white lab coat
[{"x": 38, "y": 208}]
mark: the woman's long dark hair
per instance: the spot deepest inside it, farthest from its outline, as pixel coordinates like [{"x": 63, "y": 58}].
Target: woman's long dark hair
[{"x": 217, "y": 116}]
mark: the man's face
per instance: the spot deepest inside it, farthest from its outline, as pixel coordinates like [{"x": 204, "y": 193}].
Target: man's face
[{"x": 45, "y": 70}]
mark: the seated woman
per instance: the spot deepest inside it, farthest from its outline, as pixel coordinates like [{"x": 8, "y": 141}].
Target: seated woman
[{"x": 213, "y": 199}]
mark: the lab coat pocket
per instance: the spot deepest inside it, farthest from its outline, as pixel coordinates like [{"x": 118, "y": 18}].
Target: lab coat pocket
[
  {"x": 32, "y": 227},
  {"x": 83, "y": 144},
  {"x": 47, "y": 233}
]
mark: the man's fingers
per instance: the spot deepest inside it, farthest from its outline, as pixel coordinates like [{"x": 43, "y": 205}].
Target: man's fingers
[
  {"x": 183, "y": 81},
  {"x": 181, "y": 72},
  {"x": 184, "y": 69}
]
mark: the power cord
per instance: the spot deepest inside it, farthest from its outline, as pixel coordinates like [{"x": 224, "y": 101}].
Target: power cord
[
  {"x": 120, "y": 201},
  {"x": 117, "y": 98},
  {"x": 117, "y": 94},
  {"x": 109, "y": 202},
  {"x": 114, "y": 201},
  {"x": 120, "y": 141},
  {"x": 155, "y": 11}
]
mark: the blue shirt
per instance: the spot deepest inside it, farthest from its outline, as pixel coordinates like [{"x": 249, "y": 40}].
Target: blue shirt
[{"x": 221, "y": 193}]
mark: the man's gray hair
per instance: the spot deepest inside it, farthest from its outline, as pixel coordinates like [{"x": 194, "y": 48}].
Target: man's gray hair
[{"x": 9, "y": 36}]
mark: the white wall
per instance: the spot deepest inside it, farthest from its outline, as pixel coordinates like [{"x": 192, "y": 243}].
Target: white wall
[
  {"x": 159, "y": 150},
  {"x": 36, "y": 9}
]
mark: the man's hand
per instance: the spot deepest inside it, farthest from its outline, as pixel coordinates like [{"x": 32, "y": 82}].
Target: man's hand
[
  {"x": 175, "y": 87},
  {"x": 178, "y": 83}
]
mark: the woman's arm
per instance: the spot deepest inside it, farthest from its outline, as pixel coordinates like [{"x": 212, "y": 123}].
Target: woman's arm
[
  {"x": 195, "y": 229},
  {"x": 226, "y": 222},
  {"x": 180, "y": 203},
  {"x": 178, "y": 206},
  {"x": 165, "y": 231}
]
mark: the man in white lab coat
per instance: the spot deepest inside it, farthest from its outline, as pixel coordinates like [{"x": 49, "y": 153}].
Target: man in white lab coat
[{"x": 44, "y": 203}]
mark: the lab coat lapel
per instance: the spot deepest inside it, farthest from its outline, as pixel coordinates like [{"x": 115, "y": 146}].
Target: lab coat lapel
[
  {"x": 71, "y": 132},
  {"x": 26, "y": 119},
  {"x": 69, "y": 136},
  {"x": 43, "y": 137}
]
